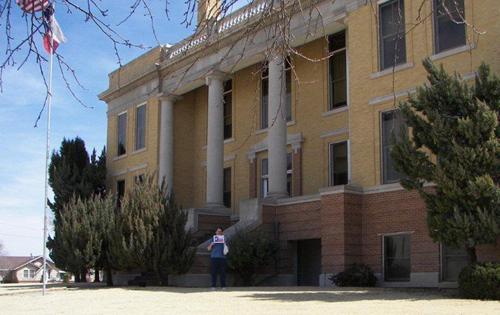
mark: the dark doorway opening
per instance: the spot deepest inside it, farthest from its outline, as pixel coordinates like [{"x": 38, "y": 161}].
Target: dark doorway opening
[{"x": 308, "y": 262}]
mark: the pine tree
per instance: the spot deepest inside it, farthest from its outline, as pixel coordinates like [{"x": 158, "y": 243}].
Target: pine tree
[
  {"x": 72, "y": 175},
  {"x": 151, "y": 232},
  {"x": 454, "y": 144},
  {"x": 83, "y": 228}
]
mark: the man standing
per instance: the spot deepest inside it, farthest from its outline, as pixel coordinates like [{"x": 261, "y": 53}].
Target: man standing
[{"x": 218, "y": 259}]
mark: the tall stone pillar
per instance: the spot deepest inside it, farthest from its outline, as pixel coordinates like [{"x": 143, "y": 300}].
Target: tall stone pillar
[
  {"x": 215, "y": 139},
  {"x": 166, "y": 162},
  {"x": 276, "y": 135}
]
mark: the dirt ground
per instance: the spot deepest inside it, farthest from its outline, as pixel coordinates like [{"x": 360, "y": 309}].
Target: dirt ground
[{"x": 240, "y": 301}]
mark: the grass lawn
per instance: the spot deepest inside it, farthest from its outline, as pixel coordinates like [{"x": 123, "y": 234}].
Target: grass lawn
[{"x": 291, "y": 300}]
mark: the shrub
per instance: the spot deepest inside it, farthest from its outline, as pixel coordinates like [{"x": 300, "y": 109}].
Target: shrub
[
  {"x": 356, "y": 275},
  {"x": 250, "y": 251},
  {"x": 480, "y": 281}
]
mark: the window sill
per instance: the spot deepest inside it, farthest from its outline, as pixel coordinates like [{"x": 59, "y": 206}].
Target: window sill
[
  {"x": 453, "y": 51},
  {"x": 120, "y": 157},
  {"x": 138, "y": 151},
  {"x": 335, "y": 111},
  {"x": 261, "y": 131},
  {"x": 230, "y": 140},
  {"x": 388, "y": 71},
  {"x": 288, "y": 124}
]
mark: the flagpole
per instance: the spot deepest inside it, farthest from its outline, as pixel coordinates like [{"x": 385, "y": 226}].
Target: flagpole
[{"x": 47, "y": 154}]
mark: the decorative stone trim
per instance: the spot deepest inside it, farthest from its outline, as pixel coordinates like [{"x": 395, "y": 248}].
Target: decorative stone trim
[
  {"x": 335, "y": 132},
  {"x": 390, "y": 97},
  {"x": 335, "y": 111},
  {"x": 385, "y": 72},
  {"x": 292, "y": 200},
  {"x": 295, "y": 140},
  {"x": 454, "y": 51}
]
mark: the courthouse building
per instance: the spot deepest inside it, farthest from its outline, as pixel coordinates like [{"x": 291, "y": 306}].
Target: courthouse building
[{"x": 298, "y": 143}]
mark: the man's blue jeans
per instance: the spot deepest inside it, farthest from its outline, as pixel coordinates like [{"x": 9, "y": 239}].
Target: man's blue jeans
[{"x": 218, "y": 267}]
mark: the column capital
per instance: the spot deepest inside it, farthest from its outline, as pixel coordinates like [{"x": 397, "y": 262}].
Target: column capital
[
  {"x": 216, "y": 75},
  {"x": 169, "y": 97}
]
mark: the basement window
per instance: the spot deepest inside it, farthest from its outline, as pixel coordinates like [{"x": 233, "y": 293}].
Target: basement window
[{"x": 397, "y": 262}]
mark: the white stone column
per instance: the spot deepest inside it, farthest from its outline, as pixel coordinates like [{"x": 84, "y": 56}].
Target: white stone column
[
  {"x": 166, "y": 156},
  {"x": 215, "y": 139},
  {"x": 276, "y": 134}
]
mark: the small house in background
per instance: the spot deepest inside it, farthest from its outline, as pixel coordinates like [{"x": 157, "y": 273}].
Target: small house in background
[{"x": 17, "y": 269}]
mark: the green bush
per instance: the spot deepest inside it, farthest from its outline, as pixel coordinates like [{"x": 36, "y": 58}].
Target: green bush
[
  {"x": 356, "y": 275},
  {"x": 250, "y": 251},
  {"x": 480, "y": 281}
]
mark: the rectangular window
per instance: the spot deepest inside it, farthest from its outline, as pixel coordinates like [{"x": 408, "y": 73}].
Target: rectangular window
[
  {"x": 264, "y": 178},
  {"x": 392, "y": 34},
  {"x": 289, "y": 173},
  {"x": 391, "y": 126},
  {"x": 264, "y": 103},
  {"x": 120, "y": 191},
  {"x": 227, "y": 187},
  {"x": 228, "y": 109},
  {"x": 338, "y": 70},
  {"x": 140, "y": 127},
  {"x": 32, "y": 274},
  {"x": 288, "y": 74},
  {"x": 453, "y": 260},
  {"x": 26, "y": 273},
  {"x": 264, "y": 119},
  {"x": 397, "y": 263},
  {"x": 122, "y": 134},
  {"x": 339, "y": 164},
  {"x": 449, "y": 29}
]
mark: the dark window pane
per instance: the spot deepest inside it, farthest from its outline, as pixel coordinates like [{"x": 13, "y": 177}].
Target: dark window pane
[
  {"x": 140, "y": 128},
  {"x": 392, "y": 124},
  {"x": 397, "y": 263},
  {"x": 392, "y": 34},
  {"x": 264, "y": 103},
  {"x": 289, "y": 175},
  {"x": 339, "y": 164},
  {"x": 227, "y": 187},
  {"x": 336, "y": 41},
  {"x": 338, "y": 83},
  {"x": 288, "y": 107},
  {"x": 453, "y": 261},
  {"x": 122, "y": 134},
  {"x": 448, "y": 29},
  {"x": 264, "y": 183},
  {"x": 228, "y": 110}
]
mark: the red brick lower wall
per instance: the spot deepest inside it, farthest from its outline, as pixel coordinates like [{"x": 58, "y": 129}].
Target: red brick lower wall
[
  {"x": 397, "y": 212},
  {"x": 351, "y": 227}
]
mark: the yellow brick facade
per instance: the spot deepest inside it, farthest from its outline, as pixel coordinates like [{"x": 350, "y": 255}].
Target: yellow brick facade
[{"x": 369, "y": 95}]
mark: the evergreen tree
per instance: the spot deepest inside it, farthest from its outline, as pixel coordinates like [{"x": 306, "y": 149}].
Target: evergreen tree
[
  {"x": 454, "y": 144},
  {"x": 72, "y": 175},
  {"x": 82, "y": 230},
  {"x": 151, "y": 232}
]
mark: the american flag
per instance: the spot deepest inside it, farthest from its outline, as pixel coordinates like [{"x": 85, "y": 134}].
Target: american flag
[{"x": 32, "y": 5}]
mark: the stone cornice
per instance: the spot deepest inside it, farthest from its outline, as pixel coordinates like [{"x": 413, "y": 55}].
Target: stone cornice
[{"x": 230, "y": 35}]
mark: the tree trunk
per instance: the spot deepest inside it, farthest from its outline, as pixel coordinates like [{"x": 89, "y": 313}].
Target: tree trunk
[
  {"x": 109, "y": 277},
  {"x": 97, "y": 276},
  {"x": 83, "y": 275},
  {"x": 471, "y": 253},
  {"x": 78, "y": 278}
]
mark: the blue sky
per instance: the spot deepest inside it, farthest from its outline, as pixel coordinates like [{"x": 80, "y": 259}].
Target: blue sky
[{"x": 22, "y": 155}]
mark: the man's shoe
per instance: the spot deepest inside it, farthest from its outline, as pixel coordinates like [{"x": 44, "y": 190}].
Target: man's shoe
[{"x": 213, "y": 288}]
